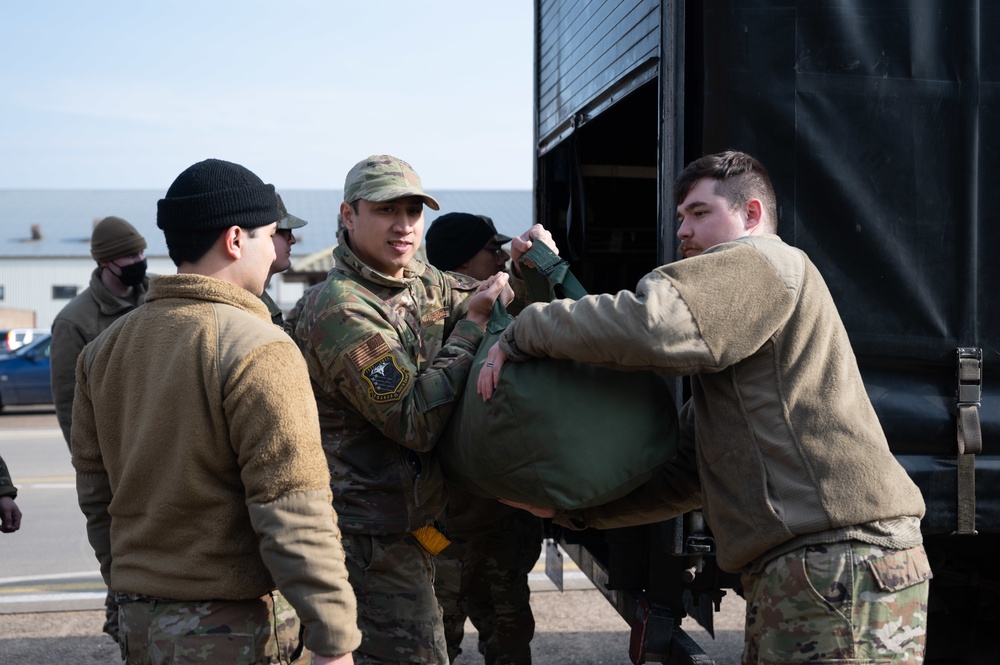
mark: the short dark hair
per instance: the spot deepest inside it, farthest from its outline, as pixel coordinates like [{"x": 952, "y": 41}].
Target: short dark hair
[
  {"x": 192, "y": 246},
  {"x": 739, "y": 178}
]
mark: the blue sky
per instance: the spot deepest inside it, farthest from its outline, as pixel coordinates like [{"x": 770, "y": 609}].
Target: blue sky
[{"x": 119, "y": 95}]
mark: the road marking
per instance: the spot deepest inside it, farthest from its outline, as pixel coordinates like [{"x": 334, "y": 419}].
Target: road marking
[
  {"x": 87, "y": 575},
  {"x": 52, "y": 597},
  {"x": 88, "y": 585},
  {"x": 18, "y": 434},
  {"x": 49, "y": 486},
  {"x": 48, "y": 588}
]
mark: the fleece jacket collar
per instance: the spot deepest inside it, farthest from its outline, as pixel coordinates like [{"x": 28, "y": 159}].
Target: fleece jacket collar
[{"x": 202, "y": 288}]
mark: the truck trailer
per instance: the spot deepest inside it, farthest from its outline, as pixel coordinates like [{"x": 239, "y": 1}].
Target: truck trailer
[{"x": 879, "y": 123}]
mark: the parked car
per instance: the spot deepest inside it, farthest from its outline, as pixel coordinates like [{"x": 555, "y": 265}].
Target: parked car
[
  {"x": 24, "y": 375},
  {"x": 15, "y": 338}
]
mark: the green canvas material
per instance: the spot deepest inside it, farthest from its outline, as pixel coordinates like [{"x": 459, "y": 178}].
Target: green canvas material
[{"x": 557, "y": 432}]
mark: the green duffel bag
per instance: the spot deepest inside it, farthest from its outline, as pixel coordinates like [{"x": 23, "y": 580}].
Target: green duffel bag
[{"x": 557, "y": 432}]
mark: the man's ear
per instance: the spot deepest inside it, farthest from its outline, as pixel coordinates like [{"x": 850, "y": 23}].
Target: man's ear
[
  {"x": 347, "y": 214},
  {"x": 232, "y": 241},
  {"x": 754, "y": 216}
]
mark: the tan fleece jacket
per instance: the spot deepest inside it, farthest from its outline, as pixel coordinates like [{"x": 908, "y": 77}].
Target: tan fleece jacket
[
  {"x": 78, "y": 323},
  {"x": 199, "y": 466},
  {"x": 786, "y": 441}
]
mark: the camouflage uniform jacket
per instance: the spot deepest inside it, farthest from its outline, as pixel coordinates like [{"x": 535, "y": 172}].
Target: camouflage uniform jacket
[
  {"x": 388, "y": 360},
  {"x": 6, "y": 484},
  {"x": 77, "y": 324},
  {"x": 787, "y": 447},
  {"x": 199, "y": 467}
]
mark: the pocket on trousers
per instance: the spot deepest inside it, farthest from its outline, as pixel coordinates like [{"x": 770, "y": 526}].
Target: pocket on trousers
[
  {"x": 900, "y": 569},
  {"x": 360, "y": 548},
  {"x": 235, "y": 648}
]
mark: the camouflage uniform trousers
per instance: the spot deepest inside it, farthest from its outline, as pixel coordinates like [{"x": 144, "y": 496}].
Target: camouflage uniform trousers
[
  {"x": 399, "y": 618},
  {"x": 844, "y": 602},
  {"x": 243, "y": 632},
  {"x": 111, "y": 615},
  {"x": 485, "y": 576}
]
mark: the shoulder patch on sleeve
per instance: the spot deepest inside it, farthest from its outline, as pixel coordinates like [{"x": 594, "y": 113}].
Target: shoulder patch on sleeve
[{"x": 386, "y": 379}]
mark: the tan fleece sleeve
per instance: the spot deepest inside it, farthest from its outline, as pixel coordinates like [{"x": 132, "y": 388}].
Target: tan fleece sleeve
[
  {"x": 93, "y": 487},
  {"x": 697, "y": 315},
  {"x": 651, "y": 328},
  {"x": 274, "y": 428},
  {"x": 300, "y": 544}
]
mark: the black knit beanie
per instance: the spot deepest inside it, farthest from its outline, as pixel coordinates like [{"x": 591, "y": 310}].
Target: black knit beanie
[
  {"x": 215, "y": 194},
  {"x": 455, "y": 237}
]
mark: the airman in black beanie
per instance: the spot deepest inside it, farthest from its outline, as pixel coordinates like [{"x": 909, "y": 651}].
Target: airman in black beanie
[{"x": 197, "y": 447}]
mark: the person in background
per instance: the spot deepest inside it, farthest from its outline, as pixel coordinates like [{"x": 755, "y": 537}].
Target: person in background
[
  {"x": 283, "y": 241},
  {"x": 117, "y": 286},
  {"x": 780, "y": 445},
  {"x": 197, "y": 450},
  {"x": 10, "y": 514},
  {"x": 483, "y": 573},
  {"x": 389, "y": 342}
]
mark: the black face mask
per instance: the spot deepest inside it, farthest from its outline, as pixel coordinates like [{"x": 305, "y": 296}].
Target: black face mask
[{"x": 132, "y": 274}]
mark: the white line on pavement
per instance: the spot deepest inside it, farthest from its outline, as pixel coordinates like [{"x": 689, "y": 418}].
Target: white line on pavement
[
  {"x": 14, "y": 434},
  {"x": 52, "y": 597},
  {"x": 89, "y": 574}
]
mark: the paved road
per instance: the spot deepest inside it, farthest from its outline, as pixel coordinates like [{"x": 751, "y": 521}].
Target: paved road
[{"x": 51, "y": 593}]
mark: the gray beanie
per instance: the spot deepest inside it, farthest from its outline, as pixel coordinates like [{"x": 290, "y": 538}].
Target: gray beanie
[
  {"x": 215, "y": 194},
  {"x": 114, "y": 238}
]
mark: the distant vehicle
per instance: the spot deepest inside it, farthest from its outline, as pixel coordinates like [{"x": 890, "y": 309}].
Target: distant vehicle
[
  {"x": 24, "y": 374},
  {"x": 15, "y": 338}
]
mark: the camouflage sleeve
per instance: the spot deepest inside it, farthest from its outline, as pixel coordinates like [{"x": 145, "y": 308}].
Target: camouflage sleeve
[
  {"x": 67, "y": 343},
  {"x": 6, "y": 483},
  {"x": 93, "y": 486},
  {"x": 363, "y": 360}
]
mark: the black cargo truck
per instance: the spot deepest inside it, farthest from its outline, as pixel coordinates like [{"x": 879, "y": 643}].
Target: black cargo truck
[{"x": 879, "y": 121}]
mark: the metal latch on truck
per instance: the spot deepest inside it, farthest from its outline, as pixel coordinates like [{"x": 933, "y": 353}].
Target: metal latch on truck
[{"x": 970, "y": 434}]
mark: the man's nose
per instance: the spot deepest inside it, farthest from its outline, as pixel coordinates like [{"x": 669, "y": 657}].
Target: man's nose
[{"x": 405, "y": 222}]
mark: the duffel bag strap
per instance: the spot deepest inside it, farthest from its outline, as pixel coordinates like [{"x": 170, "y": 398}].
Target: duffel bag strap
[{"x": 548, "y": 276}]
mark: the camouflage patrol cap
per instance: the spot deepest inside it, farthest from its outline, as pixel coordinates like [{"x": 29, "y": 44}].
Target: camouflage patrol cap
[
  {"x": 287, "y": 221},
  {"x": 384, "y": 178}
]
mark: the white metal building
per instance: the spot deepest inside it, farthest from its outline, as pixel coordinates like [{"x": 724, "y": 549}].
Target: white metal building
[{"x": 45, "y": 237}]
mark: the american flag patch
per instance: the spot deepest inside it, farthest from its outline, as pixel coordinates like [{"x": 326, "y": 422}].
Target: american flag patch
[{"x": 368, "y": 351}]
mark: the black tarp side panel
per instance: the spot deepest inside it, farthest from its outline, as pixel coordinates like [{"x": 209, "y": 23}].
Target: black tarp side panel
[{"x": 879, "y": 125}]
